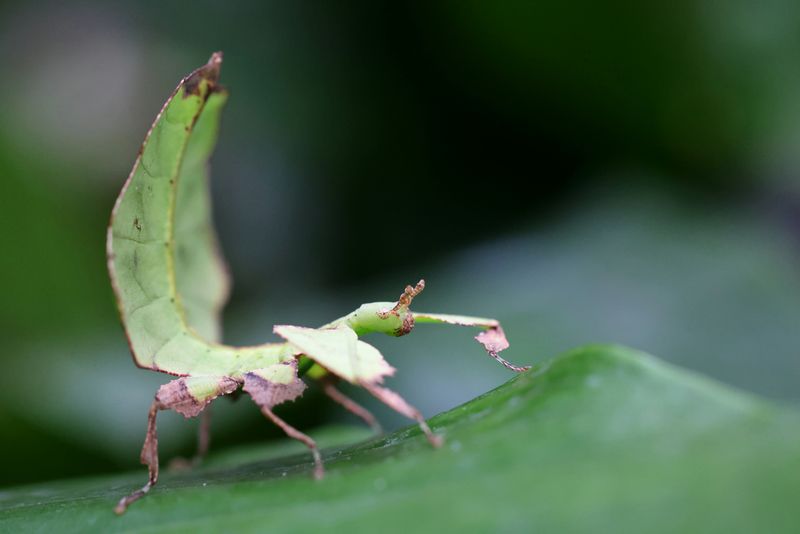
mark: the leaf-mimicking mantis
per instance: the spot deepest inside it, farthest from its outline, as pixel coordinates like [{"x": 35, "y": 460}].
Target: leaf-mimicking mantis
[{"x": 170, "y": 282}]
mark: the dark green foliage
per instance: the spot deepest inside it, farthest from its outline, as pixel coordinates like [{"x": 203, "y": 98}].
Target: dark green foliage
[{"x": 599, "y": 439}]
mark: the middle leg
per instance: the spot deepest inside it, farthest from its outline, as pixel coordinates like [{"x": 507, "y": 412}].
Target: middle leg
[
  {"x": 394, "y": 401},
  {"x": 274, "y": 385},
  {"x": 180, "y": 463},
  {"x": 328, "y": 384}
]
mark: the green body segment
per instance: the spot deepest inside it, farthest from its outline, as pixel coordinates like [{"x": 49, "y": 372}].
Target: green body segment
[
  {"x": 167, "y": 273},
  {"x": 371, "y": 318}
]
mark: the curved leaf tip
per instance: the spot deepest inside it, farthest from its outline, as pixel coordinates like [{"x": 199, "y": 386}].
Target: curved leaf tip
[{"x": 209, "y": 72}]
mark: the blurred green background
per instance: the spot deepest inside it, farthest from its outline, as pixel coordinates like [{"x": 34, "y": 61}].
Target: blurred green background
[{"x": 585, "y": 172}]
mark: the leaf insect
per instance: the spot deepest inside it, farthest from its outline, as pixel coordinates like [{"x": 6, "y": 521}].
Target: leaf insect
[{"x": 170, "y": 283}]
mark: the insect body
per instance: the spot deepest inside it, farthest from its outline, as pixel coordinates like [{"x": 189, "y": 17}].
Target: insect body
[{"x": 170, "y": 283}]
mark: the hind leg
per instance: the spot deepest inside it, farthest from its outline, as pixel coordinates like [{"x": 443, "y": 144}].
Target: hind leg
[
  {"x": 188, "y": 397},
  {"x": 203, "y": 441}
]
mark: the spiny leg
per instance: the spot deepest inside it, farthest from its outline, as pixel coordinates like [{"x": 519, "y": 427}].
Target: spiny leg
[
  {"x": 274, "y": 385},
  {"x": 328, "y": 384},
  {"x": 398, "y": 403},
  {"x": 187, "y": 396}
]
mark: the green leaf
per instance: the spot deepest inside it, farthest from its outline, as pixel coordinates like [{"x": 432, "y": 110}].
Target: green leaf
[{"x": 599, "y": 439}]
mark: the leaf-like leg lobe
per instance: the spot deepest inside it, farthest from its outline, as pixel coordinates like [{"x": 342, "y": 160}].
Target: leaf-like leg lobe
[
  {"x": 274, "y": 385},
  {"x": 339, "y": 351},
  {"x": 492, "y": 337},
  {"x": 190, "y": 395}
]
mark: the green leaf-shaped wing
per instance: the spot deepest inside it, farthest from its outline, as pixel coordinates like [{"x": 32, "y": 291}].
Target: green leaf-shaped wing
[{"x": 162, "y": 253}]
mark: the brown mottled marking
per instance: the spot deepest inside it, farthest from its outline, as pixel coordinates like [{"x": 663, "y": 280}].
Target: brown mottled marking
[
  {"x": 408, "y": 325},
  {"x": 209, "y": 72},
  {"x": 176, "y": 395},
  {"x": 269, "y": 394},
  {"x": 405, "y": 301}
]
